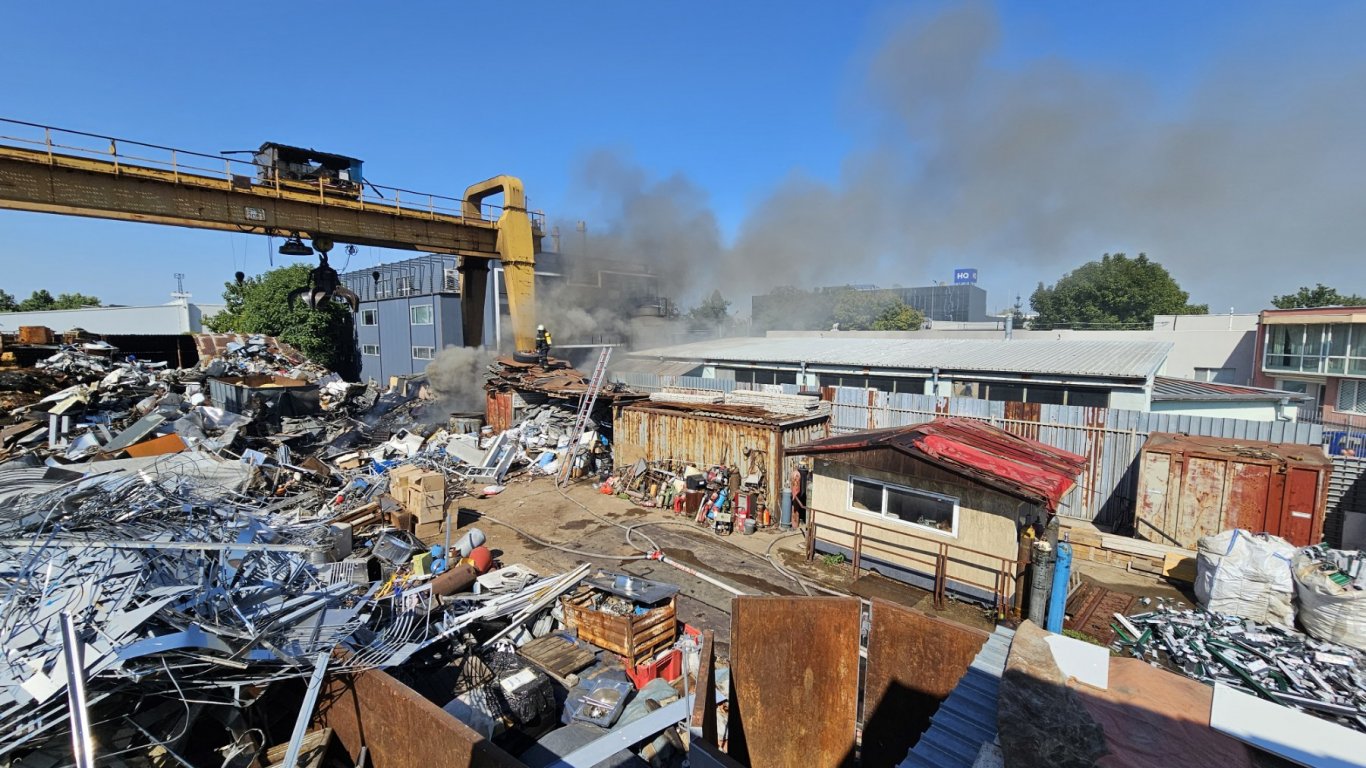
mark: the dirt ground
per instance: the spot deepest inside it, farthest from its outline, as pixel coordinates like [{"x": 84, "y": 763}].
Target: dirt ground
[
  {"x": 1138, "y": 584},
  {"x": 594, "y": 526}
]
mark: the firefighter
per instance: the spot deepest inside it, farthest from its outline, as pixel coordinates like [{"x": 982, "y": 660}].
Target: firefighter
[{"x": 542, "y": 345}]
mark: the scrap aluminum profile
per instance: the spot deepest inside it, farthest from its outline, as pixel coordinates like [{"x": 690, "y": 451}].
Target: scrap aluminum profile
[
  {"x": 1319, "y": 677},
  {"x": 214, "y": 595}
]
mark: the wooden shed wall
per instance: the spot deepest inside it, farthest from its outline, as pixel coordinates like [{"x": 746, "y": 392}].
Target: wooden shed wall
[{"x": 987, "y": 518}]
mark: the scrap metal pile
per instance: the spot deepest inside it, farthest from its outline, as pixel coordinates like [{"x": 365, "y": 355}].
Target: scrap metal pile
[
  {"x": 176, "y": 587},
  {"x": 1284, "y": 666},
  {"x": 177, "y": 544}
]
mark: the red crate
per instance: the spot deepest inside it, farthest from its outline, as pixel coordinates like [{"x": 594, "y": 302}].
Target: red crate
[{"x": 669, "y": 667}]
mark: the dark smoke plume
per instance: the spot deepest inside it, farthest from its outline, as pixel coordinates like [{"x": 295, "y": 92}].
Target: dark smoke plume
[{"x": 1249, "y": 185}]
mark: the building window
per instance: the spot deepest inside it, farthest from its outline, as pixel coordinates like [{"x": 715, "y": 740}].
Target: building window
[
  {"x": 1337, "y": 348},
  {"x": 450, "y": 280},
  {"x": 922, "y": 509},
  {"x": 424, "y": 353},
  {"x": 370, "y": 349},
  {"x": 421, "y": 314},
  {"x": 403, "y": 286},
  {"x": 369, "y": 317},
  {"x": 1216, "y": 375},
  {"x": 1352, "y": 396}
]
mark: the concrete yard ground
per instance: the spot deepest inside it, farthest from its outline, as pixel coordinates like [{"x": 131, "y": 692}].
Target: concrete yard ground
[{"x": 594, "y": 526}]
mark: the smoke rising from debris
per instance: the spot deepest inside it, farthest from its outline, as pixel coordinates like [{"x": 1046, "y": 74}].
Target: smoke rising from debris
[
  {"x": 1029, "y": 170},
  {"x": 457, "y": 378},
  {"x": 664, "y": 223}
]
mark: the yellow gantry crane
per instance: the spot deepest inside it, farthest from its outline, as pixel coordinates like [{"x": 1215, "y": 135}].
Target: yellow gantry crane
[{"x": 51, "y": 170}]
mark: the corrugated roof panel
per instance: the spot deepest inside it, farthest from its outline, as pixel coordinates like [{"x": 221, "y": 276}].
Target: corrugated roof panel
[
  {"x": 1115, "y": 359},
  {"x": 1169, "y": 388}
]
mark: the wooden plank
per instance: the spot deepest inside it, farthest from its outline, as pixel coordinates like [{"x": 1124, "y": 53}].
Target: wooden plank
[
  {"x": 557, "y": 654},
  {"x": 794, "y": 678},
  {"x": 1179, "y": 567},
  {"x": 311, "y": 752},
  {"x": 1139, "y": 547}
]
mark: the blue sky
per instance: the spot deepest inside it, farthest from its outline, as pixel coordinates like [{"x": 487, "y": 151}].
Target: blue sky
[{"x": 738, "y": 97}]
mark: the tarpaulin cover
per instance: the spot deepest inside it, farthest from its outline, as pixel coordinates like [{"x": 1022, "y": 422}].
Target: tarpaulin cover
[{"x": 1013, "y": 464}]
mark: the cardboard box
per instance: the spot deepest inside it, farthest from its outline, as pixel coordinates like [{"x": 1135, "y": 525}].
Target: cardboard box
[
  {"x": 429, "y": 482},
  {"x": 426, "y": 507},
  {"x": 402, "y": 521},
  {"x": 430, "y": 531},
  {"x": 400, "y": 477}
]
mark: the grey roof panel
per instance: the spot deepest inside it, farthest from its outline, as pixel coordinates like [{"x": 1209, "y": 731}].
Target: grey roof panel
[
  {"x": 1117, "y": 359},
  {"x": 1167, "y": 388}
]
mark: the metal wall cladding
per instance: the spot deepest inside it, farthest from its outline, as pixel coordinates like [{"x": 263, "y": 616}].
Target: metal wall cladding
[
  {"x": 1189, "y": 488},
  {"x": 650, "y": 382},
  {"x": 498, "y": 411},
  {"x": 1346, "y": 494},
  {"x": 1110, "y": 439},
  {"x": 641, "y": 432}
]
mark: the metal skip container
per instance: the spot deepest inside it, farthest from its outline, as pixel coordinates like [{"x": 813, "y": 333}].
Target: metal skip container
[{"x": 1190, "y": 486}]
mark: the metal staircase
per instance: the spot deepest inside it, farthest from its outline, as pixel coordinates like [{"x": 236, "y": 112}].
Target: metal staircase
[
  {"x": 966, "y": 721},
  {"x": 585, "y": 414}
]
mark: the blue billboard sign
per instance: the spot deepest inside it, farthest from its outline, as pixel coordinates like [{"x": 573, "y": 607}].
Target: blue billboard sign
[{"x": 965, "y": 277}]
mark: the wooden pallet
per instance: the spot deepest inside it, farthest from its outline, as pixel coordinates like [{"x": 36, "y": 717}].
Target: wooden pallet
[
  {"x": 1092, "y": 607},
  {"x": 557, "y": 654},
  {"x": 635, "y": 638}
]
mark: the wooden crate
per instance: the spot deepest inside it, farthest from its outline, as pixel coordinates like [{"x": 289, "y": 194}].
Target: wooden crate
[
  {"x": 636, "y": 638},
  {"x": 35, "y": 334}
]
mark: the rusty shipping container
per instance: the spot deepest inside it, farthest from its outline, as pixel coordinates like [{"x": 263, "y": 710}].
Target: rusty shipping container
[
  {"x": 1191, "y": 486},
  {"x": 645, "y": 431}
]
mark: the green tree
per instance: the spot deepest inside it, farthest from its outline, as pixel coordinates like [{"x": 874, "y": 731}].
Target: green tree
[
  {"x": 1318, "y": 296},
  {"x": 260, "y": 305},
  {"x": 41, "y": 299},
  {"x": 1115, "y": 291},
  {"x": 875, "y": 311},
  {"x": 75, "y": 301},
  {"x": 38, "y": 301},
  {"x": 711, "y": 313}
]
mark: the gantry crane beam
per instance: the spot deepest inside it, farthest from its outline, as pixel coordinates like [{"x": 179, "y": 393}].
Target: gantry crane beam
[{"x": 42, "y": 180}]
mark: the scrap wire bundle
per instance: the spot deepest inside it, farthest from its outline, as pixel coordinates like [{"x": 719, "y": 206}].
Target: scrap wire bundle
[{"x": 163, "y": 608}]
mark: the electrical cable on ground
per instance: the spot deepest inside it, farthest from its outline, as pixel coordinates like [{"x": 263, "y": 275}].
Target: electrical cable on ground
[
  {"x": 560, "y": 547},
  {"x": 650, "y": 553}
]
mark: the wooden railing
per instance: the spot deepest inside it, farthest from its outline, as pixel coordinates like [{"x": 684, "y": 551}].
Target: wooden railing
[{"x": 1003, "y": 576}]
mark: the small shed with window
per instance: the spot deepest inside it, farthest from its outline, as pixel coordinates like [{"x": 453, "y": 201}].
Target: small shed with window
[{"x": 896, "y": 499}]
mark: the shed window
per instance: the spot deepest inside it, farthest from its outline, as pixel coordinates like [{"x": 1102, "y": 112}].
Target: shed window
[
  {"x": 922, "y": 509},
  {"x": 421, "y": 314}
]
